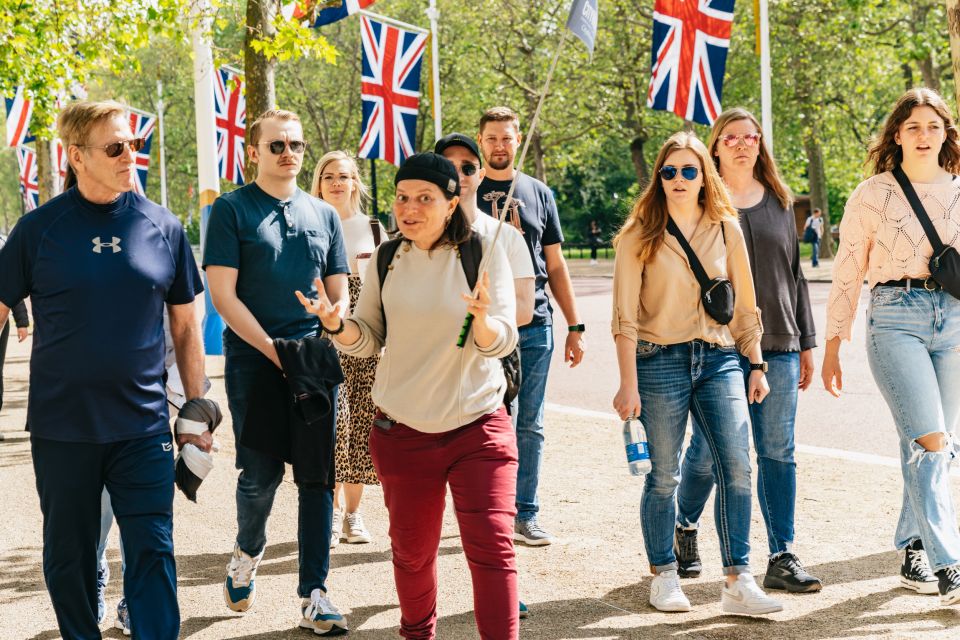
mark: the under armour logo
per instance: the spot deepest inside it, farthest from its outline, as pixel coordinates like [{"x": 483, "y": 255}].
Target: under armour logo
[
  {"x": 98, "y": 246},
  {"x": 167, "y": 446}
]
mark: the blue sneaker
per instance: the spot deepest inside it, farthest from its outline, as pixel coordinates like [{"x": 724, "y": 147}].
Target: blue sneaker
[
  {"x": 320, "y": 615},
  {"x": 524, "y": 612},
  {"x": 239, "y": 589},
  {"x": 103, "y": 576},
  {"x": 123, "y": 617}
]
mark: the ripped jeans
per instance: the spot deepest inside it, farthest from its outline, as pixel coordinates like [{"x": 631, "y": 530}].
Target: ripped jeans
[{"x": 913, "y": 346}]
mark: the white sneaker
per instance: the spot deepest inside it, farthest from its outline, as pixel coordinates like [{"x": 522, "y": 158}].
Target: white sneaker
[
  {"x": 240, "y": 587},
  {"x": 354, "y": 530},
  {"x": 335, "y": 528},
  {"x": 666, "y": 594},
  {"x": 745, "y": 598},
  {"x": 319, "y": 613}
]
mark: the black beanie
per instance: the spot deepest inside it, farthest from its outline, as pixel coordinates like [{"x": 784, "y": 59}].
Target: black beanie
[{"x": 432, "y": 168}]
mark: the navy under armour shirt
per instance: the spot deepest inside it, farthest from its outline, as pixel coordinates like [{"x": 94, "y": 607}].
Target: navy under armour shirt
[{"x": 98, "y": 277}]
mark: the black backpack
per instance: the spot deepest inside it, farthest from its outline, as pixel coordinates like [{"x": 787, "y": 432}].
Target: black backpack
[{"x": 471, "y": 252}]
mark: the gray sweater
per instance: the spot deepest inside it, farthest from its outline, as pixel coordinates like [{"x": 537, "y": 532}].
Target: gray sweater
[{"x": 770, "y": 233}]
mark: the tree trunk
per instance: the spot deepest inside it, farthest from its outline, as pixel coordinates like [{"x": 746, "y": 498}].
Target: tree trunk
[
  {"x": 47, "y": 178},
  {"x": 953, "y": 26},
  {"x": 639, "y": 162},
  {"x": 539, "y": 166},
  {"x": 817, "y": 178},
  {"x": 928, "y": 71},
  {"x": 260, "y": 90},
  {"x": 907, "y": 76}
]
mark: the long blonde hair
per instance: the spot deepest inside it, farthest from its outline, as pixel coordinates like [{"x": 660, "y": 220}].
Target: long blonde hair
[
  {"x": 648, "y": 218},
  {"x": 359, "y": 195},
  {"x": 885, "y": 153},
  {"x": 765, "y": 170}
]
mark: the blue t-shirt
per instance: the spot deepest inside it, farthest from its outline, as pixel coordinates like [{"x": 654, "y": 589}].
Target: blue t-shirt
[
  {"x": 540, "y": 224},
  {"x": 98, "y": 277},
  {"x": 278, "y": 247}
]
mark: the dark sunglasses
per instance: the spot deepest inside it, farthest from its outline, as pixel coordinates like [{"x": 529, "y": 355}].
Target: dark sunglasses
[
  {"x": 669, "y": 172},
  {"x": 277, "y": 146},
  {"x": 468, "y": 169},
  {"x": 114, "y": 149}
]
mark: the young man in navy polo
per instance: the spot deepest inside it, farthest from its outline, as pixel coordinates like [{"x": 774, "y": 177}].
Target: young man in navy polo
[
  {"x": 99, "y": 263},
  {"x": 264, "y": 241}
]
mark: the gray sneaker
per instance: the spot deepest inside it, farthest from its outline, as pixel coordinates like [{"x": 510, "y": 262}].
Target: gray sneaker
[{"x": 529, "y": 532}]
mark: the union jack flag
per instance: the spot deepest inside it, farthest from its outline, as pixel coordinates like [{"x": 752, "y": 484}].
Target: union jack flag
[
  {"x": 29, "y": 184},
  {"x": 690, "y": 44},
  {"x": 345, "y": 8},
  {"x": 390, "y": 90},
  {"x": 19, "y": 110},
  {"x": 61, "y": 161},
  {"x": 142, "y": 126},
  {"x": 231, "y": 114}
]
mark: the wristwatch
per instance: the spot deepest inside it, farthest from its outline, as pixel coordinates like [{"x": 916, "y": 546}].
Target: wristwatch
[
  {"x": 576, "y": 328},
  {"x": 762, "y": 366}
]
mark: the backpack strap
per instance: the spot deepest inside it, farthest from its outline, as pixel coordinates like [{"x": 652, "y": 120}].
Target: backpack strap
[
  {"x": 384, "y": 257},
  {"x": 692, "y": 258},
  {"x": 375, "y": 227},
  {"x": 471, "y": 253},
  {"x": 918, "y": 210}
]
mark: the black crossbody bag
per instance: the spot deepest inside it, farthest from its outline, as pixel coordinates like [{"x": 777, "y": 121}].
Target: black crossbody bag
[
  {"x": 945, "y": 263},
  {"x": 715, "y": 293}
]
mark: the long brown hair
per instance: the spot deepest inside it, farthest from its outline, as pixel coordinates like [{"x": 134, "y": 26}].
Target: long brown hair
[
  {"x": 765, "y": 170},
  {"x": 885, "y": 153},
  {"x": 648, "y": 218}
]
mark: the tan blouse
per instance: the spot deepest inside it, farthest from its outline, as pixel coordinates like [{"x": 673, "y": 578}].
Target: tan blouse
[
  {"x": 660, "y": 301},
  {"x": 882, "y": 239}
]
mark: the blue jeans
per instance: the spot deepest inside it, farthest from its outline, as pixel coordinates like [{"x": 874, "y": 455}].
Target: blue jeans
[
  {"x": 260, "y": 475},
  {"x": 536, "y": 349},
  {"x": 772, "y": 424},
  {"x": 705, "y": 380},
  {"x": 913, "y": 347},
  {"x": 815, "y": 252}
]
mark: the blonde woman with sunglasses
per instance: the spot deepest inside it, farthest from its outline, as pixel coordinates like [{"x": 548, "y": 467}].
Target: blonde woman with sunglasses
[{"x": 675, "y": 360}]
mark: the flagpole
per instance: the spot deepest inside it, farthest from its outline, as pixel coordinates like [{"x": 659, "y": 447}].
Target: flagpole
[
  {"x": 163, "y": 155},
  {"x": 434, "y": 14},
  {"x": 766, "y": 108}
]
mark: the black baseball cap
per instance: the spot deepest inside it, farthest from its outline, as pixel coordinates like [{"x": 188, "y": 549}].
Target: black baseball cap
[
  {"x": 458, "y": 140},
  {"x": 431, "y": 167}
]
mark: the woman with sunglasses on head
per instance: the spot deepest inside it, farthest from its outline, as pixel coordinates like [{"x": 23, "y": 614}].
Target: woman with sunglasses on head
[
  {"x": 441, "y": 419},
  {"x": 765, "y": 208},
  {"x": 676, "y": 359},
  {"x": 913, "y": 324},
  {"x": 337, "y": 181}
]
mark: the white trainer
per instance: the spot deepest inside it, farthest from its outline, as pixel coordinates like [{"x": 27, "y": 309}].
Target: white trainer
[
  {"x": 745, "y": 598},
  {"x": 354, "y": 530},
  {"x": 335, "y": 528},
  {"x": 666, "y": 594}
]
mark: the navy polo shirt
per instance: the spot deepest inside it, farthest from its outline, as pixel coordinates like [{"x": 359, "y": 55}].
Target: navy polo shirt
[
  {"x": 277, "y": 247},
  {"x": 98, "y": 277}
]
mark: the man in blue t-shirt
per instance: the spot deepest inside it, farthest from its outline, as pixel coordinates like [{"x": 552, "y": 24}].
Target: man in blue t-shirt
[
  {"x": 264, "y": 241},
  {"x": 533, "y": 210},
  {"x": 99, "y": 263}
]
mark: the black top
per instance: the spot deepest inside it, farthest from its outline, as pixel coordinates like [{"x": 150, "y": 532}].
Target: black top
[{"x": 770, "y": 233}]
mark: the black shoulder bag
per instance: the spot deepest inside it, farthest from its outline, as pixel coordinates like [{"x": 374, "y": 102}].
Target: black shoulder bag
[
  {"x": 715, "y": 293},
  {"x": 471, "y": 253},
  {"x": 945, "y": 263}
]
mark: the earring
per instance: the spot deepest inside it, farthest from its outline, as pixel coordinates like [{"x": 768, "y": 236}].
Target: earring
[{"x": 447, "y": 223}]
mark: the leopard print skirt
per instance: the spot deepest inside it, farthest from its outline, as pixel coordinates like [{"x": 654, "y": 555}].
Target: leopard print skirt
[{"x": 355, "y": 411}]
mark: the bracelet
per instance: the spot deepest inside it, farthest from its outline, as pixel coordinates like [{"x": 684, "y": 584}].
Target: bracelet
[
  {"x": 337, "y": 332},
  {"x": 578, "y": 328}
]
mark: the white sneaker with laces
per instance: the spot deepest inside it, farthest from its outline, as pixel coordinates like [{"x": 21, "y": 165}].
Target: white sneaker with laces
[
  {"x": 320, "y": 614},
  {"x": 745, "y": 598},
  {"x": 354, "y": 530},
  {"x": 666, "y": 594},
  {"x": 240, "y": 587},
  {"x": 335, "y": 527}
]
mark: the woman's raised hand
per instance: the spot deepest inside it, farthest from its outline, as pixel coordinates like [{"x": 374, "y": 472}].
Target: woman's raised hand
[
  {"x": 329, "y": 314},
  {"x": 477, "y": 306}
]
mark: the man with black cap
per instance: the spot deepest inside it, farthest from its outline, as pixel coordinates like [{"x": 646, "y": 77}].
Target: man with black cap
[{"x": 463, "y": 153}]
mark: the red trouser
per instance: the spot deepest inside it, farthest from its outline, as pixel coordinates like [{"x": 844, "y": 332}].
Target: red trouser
[{"x": 479, "y": 461}]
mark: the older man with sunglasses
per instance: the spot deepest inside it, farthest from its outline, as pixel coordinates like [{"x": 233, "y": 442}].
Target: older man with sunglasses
[
  {"x": 99, "y": 263},
  {"x": 264, "y": 241}
]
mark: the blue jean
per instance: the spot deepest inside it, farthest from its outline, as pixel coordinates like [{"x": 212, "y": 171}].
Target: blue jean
[
  {"x": 815, "y": 252},
  {"x": 913, "y": 347},
  {"x": 705, "y": 380},
  {"x": 260, "y": 476},
  {"x": 536, "y": 349},
  {"x": 772, "y": 423}
]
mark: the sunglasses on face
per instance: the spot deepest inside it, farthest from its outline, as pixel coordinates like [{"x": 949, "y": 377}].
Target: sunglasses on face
[
  {"x": 669, "y": 172},
  {"x": 114, "y": 149},
  {"x": 468, "y": 169},
  {"x": 277, "y": 146},
  {"x": 748, "y": 139}
]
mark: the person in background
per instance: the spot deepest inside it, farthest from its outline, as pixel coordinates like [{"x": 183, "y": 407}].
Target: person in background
[
  {"x": 594, "y": 239},
  {"x": 812, "y": 234}
]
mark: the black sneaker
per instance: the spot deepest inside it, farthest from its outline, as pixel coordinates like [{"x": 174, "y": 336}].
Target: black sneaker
[
  {"x": 948, "y": 582},
  {"x": 786, "y": 573},
  {"x": 915, "y": 571},
  {"x": 687, "y": 552}
]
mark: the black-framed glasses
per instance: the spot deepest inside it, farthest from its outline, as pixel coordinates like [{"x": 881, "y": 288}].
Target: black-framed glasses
[
  {"x": 277, "y": 146},
  {"x": 733, "y": 139},
  {"x": 669, "y": 172},
  {"x": 468, "y": 169},
  {"x": 114, "y": 149}
]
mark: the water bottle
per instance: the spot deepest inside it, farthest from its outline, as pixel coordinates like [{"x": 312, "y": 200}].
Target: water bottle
[{"x": 635, "y": 442}]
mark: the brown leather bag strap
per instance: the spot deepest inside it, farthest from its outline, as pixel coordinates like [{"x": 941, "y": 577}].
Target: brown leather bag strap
[{"x": 375, "y": 227}]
